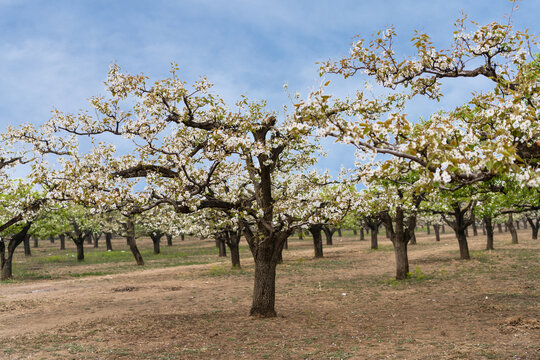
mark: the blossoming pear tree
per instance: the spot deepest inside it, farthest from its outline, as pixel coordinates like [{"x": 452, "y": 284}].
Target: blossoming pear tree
[{"x": 192, "y": 151}]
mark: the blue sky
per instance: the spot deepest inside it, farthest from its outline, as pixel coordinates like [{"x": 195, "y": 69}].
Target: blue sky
[{"x": 57, "y": 53}]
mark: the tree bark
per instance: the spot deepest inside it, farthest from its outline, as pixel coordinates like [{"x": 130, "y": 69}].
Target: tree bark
[
  {"x": 156, "y": 240},
  {"x": 108, "y": 242},
  {"x": 130, "y": 237},
  {"x": 459, "y": 224},
  {"x": 62, "y": 238},
  {"x": 428, "y": 227},
  {"x": 329, "y": 233},
  {"x": 374, "y": 240},
  {"x": 339, "y": 232},
  {"x": 474, "y": 228},
  {"x": 463, "y": 245},
  {"x": 7, "y": 262},
  {"x": 534, "y": 227},
  {"x": 233, "y": 242},
  {"x": 512, "y": 228},
  {"x": 400, "y": 234},
  {"x": 315, "y": 231},
  {"x": 36, "y": 242},
  {"x": 220, "y": 244},
  {"x": 437, "y": 229},
  {"x": 266, "y": 253},
  {"x": 362, "y": 236},
  {"x": 169, "y": 239},
  {"x": 96, "y": 237},
  {"x": 51, "y": 239},
  {"x": 499, "y": 227},
  {"x": 354, "y": 232},
  {"x": 80, "y": 250},
  {"x": 27, "y": 251},
  {"x": 489, "y": 232},
  {"x": 264, "y": 290}
]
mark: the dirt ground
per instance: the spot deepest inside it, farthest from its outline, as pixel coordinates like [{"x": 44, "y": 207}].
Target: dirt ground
[{"x": 345, "y": 306}]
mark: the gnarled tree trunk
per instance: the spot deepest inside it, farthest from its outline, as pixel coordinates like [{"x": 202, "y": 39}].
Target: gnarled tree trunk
[
  {"x": 130, "y": 238},
  {"x": 329, "y": 233},
  {"x": 512, "y": 228},
  {"x": 6, "y": 262},
  {"x": 266, "y": 252}
]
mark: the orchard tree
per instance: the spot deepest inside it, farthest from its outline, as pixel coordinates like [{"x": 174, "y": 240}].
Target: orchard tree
[{"x": 193, "y": 152}]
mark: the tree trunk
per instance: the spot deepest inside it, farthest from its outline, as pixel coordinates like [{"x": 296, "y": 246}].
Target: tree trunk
[
  {"x": 489, "y": 232},
  {"x": 264, "y": 289},
  {"x": 265, "y": 254},
  {"x": 443, "y": 229},
  {"x": 220, "y": 243},
  {"x": 483, "y": 228},
  {"x": 300, "y": 234},
  {"x": 459, "y": 225},
  {"x": 463, "y": 245},
  {"x": 374, "y": 240},
  {"x": 51, "y": 239},
  {"x": 36, "y": 242},
  {"x": 428, "y": 227},
  {"x": 7, "y": 267},
  {"x": 402, "y": 260},
  {"x": 354, "y": 232},
  {"x": 512, "y": 229},
  {"x": 62, "y": 238},
  {"x": 183, "y": 237},
  {"x": 517, "y": 224},
  {"x": 315, "y": 231},
  {"x": 169, "y": 239},
  {"x": 80, "y": 250},
  {"x": 156, "y": 240},
  {"x": 6, "y": 263},
  {"x": 525, "y": 224},
  {"x": 412, "y": 234},
  {"x": 286, "y": 245},
  {"x": 474, "y": 228},
  {"x": 437, "y": 230},
  {"x": 157, "y": 248},
  {"x": 27, "y": 251},
  {"x": 96, "y": 238},
  {"x": 130, "y": 227},
  {"x": 108, "y": 242},
  {"x": 534, "y": 227},
  {"x": 339, "y": 232},
  {"x": 233, "y": 242},
  {"x": 499, "y": 227},
  {"x": 328, "y": 233},
  {"x": 400, "y": 236},
  {"x": 362, "y": 236}
]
